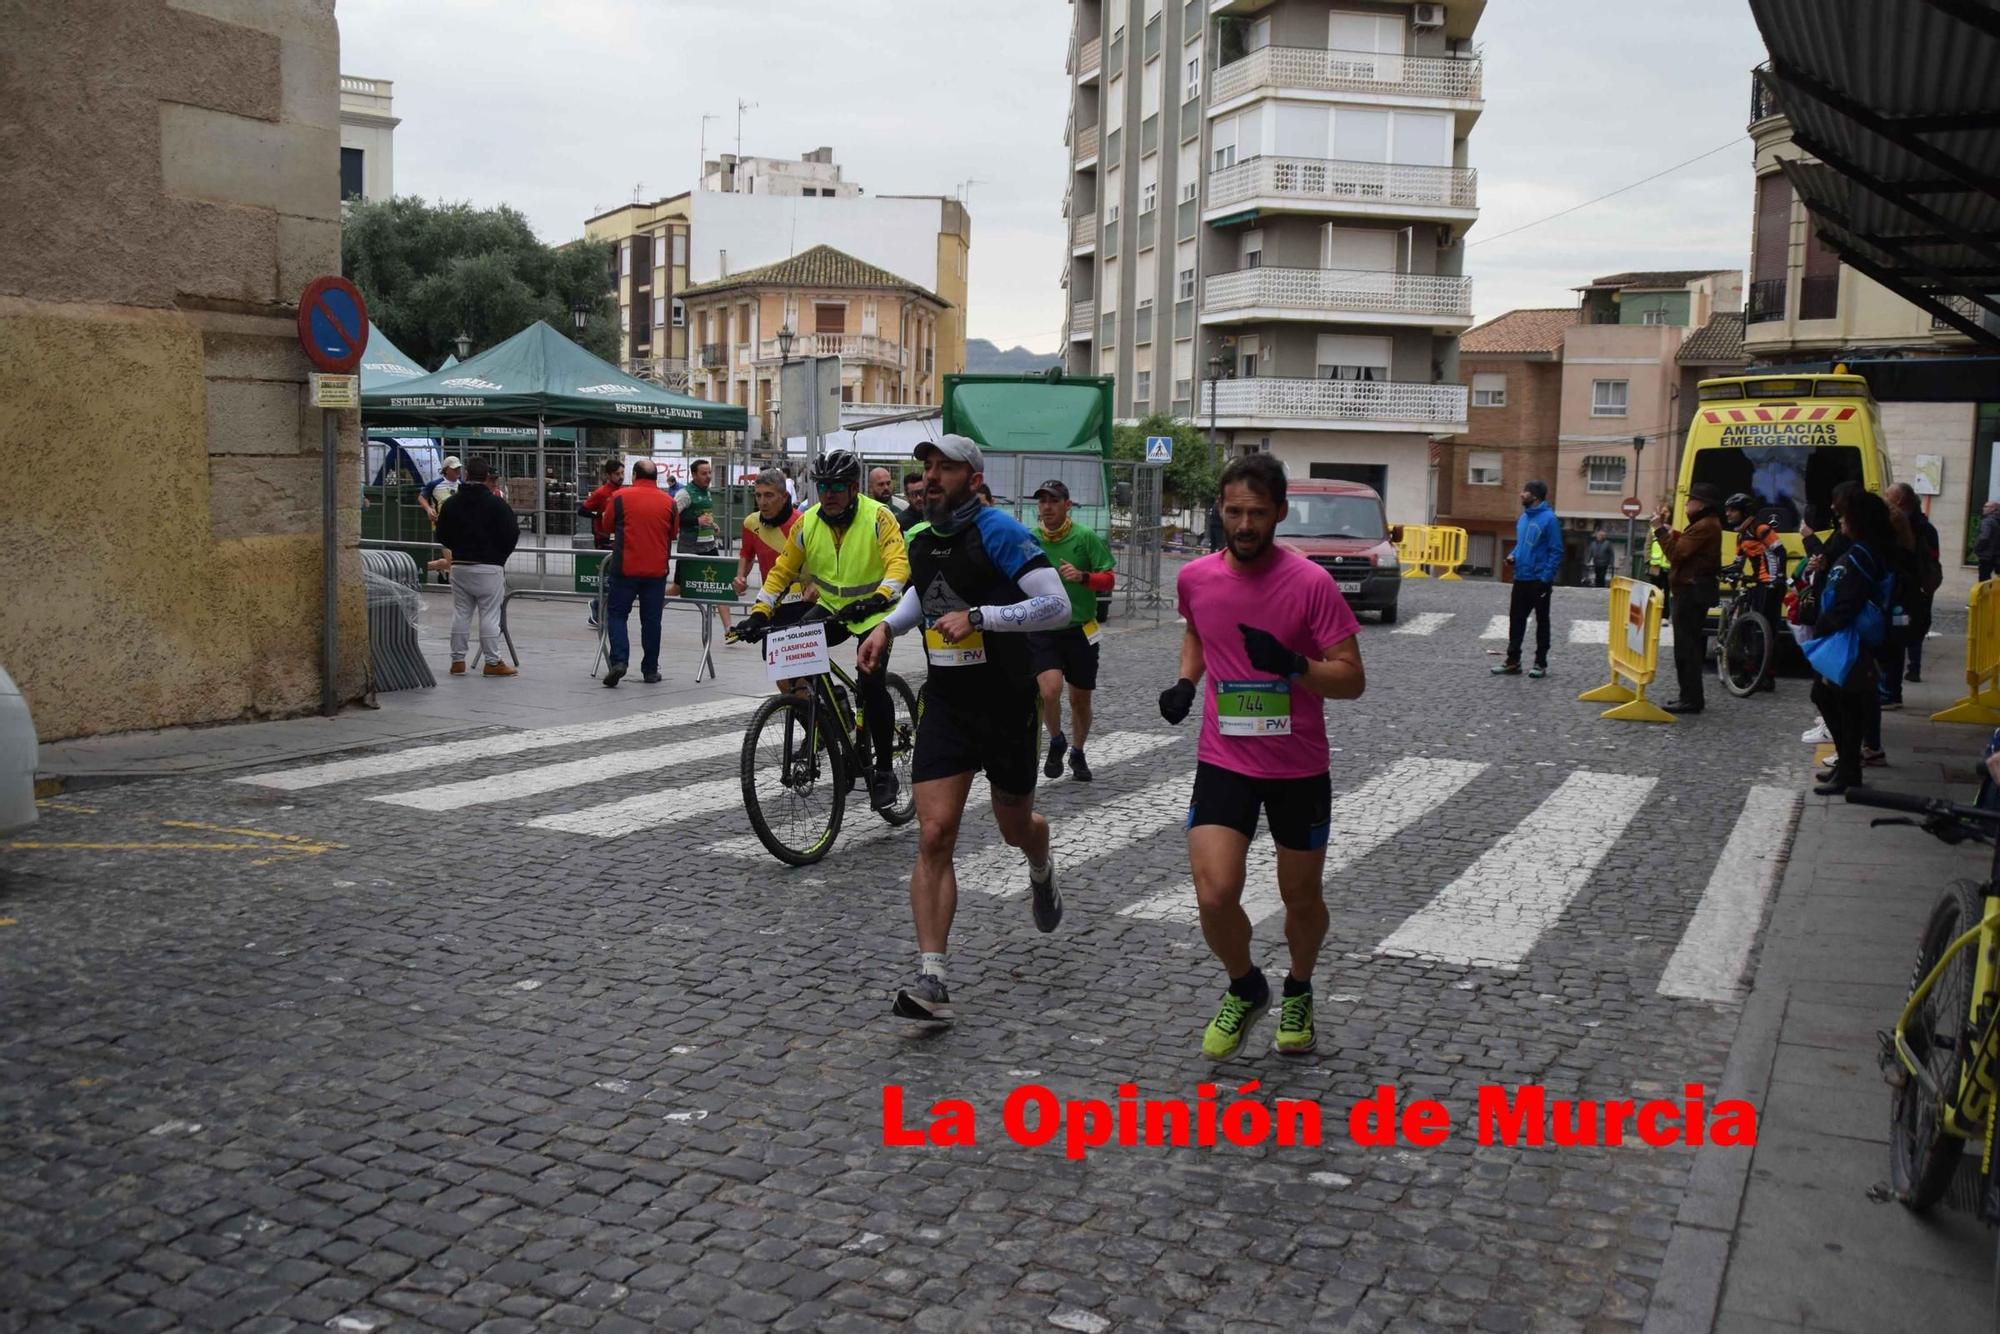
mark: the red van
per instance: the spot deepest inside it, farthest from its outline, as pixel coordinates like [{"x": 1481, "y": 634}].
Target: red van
[{"x": 1340, "y": 527}]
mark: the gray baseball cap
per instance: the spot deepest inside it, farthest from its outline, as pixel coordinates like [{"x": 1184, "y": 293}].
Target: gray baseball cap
[{"x": 959, "y": 448}]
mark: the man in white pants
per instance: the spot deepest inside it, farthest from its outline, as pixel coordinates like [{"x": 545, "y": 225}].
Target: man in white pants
[{"x": 478, "y": 532}]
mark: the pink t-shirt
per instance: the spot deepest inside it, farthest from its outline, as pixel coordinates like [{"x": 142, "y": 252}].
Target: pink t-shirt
[{"x": 1295, "y": 600}]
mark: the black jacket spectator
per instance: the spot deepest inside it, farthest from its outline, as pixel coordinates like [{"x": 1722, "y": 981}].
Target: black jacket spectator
[
  {"x": 478, "y": 527},
  {"x": 1986, "y": 547}
]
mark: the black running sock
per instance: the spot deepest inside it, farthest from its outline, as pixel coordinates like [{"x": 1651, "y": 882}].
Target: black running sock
[
  {"x": 1294, "y": 987},
  {"x": 1251, "y": 987},
  {"x": 1057, "y": 743}
]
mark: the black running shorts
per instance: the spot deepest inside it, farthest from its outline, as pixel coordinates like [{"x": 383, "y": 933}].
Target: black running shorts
[
  {"x": 1067, "y": 651},
  {"x": 998, "y": 734},
  {"x": 1299, "y": 810}
]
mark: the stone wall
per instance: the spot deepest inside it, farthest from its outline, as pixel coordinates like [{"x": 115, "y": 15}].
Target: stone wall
[{"x": 172, "y": 174}]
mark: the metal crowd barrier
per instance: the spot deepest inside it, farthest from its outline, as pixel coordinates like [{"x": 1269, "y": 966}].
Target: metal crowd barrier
[
  {"x": 1981, "y": 705},
  {"x": 1633, "y": 649}
]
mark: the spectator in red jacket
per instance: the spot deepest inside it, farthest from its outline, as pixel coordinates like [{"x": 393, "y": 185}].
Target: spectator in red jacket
[
  {"x": 643, "y": 527},
  {"x": 598, "y": 506}
]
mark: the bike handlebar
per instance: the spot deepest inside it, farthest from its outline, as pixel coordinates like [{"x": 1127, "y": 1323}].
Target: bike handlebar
[{"x": 1915, "y": 805}]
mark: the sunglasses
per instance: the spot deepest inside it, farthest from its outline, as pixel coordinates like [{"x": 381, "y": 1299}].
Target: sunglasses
[{"x": 834, "y": 488}]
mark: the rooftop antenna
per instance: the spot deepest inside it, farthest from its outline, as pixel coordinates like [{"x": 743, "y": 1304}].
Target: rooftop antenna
[
  {"x": 638, "y": 188},
  {"x": 706, "y": 117},
  {"x": 965, "y": 192},
  {"x": 741, "y": 107}
]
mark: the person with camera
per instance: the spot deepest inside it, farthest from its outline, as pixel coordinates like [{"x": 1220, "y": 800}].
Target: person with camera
[{"x": 1694, "y": 558}]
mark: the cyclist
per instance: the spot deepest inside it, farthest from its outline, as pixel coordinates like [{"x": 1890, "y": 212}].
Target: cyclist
[
  {"x": 1069, "y": 654},
  {"x": 848, "y": 549},
  {"x": 1275, "y": 637},
  {"x": 1759, "y": 547},
  {"x": 979, "y": 587}
]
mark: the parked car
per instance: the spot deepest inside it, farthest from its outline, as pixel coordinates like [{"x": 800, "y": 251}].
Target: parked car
[
  {"x": 1340, "y": 527},
  {"x": 17, "y": 758}
]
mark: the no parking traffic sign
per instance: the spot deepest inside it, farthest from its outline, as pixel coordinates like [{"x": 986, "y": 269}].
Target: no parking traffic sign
[{"x": 333, "y": 324}]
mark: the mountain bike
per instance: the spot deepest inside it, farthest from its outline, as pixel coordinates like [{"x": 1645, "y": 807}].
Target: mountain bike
[
  {"x": 805, "y": 750},
  {"x": 1942, "y": 1060},
  {"x": 1744, "y": 638}
]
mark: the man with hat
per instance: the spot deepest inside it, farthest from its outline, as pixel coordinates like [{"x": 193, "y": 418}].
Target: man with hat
[
  {"x": 979, "y": 586},
  {"x": 440, "y": 488},
  {"x": 1069, "y": 654},
  {"x": 1694, "y": 557}
]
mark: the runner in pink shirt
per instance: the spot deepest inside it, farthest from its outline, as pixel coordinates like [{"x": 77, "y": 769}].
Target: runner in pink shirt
[{"x": 1275, "y": 638}]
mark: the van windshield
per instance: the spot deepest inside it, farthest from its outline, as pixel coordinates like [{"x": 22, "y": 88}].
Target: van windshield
[
  {"x": 1333, "y": 516},
  {"x": 1784, "y": 478}
]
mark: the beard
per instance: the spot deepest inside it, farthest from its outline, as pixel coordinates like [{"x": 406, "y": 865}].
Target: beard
[
  {"x": 1248, "y": 547},
  {"x": 941, "y": 503}
]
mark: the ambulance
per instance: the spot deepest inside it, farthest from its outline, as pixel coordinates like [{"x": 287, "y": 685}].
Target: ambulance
[{"x": 1787, "y": 440}]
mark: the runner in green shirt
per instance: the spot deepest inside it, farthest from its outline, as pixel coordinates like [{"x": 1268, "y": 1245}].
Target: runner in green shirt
[{"x": 1085, "y": 563}]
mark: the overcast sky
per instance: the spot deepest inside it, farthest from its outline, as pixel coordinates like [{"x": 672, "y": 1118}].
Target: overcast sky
[{"x": 563, "y": 108}]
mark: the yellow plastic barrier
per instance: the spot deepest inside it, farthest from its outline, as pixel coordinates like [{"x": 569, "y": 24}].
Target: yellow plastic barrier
[
  {"x": 1981, "y": 704},
  {"x": 1634, "y": 651},
  {"x": 1446, "y": 547},
  {"x": 1412, "y": 548}
]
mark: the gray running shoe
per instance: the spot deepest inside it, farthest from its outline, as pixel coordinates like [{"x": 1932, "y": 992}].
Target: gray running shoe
[
  {"x": 1047, "y": 898},
  {"x": 924, "y": 1000}
]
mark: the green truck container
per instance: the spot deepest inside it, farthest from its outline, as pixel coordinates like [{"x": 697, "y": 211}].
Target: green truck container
[{"x": 1037, "y": 427}]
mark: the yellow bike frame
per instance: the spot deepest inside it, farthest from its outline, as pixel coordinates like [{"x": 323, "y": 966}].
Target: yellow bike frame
[{"x": 1968, "y": 1114}]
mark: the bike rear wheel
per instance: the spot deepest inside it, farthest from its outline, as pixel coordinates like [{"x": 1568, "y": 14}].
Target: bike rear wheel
[
  {"x": 794, "y": 778},
  {"x": 1923, "y": 1154},
  {"x": 902, "y": 751},
  {"x": 1747, "y": 646}
]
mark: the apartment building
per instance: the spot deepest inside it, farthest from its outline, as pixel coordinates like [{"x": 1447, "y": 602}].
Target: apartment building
[
  {"x": 814, "y": 176},
  {"x": 650, "y": 264},
  {"x": 367, "y": 138},
  {"x": 823, "y": 302},
  {"x": 1809, "y": 310},
  {"x": 1267, "y": 205}
]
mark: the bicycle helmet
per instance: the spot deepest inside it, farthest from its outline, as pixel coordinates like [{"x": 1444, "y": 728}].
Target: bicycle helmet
[
  {"x": 839, "y": 465},
  {"x": 1741, "y": 501}
]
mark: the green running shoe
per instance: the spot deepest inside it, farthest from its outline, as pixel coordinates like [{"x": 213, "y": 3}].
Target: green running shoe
[
  {"x": 1295, "y": 1025},
  {"x": 1232, "y": 1024}
]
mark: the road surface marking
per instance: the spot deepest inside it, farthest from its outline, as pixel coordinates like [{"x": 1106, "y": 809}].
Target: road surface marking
[
  {"x": 1496, "y": 628},
  {"x": 612, "y": 765},
  {"x": 1492, "y": 915},
  {"x": 1423, "y": 623},
  {"x": 1363, "y": 820},
  {"x": 1714, "y": 951}
]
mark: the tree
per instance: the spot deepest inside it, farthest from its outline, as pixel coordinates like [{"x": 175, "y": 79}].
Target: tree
[
  {"x": 1190, "y": 479},
  {"x": 431, "y": 272}
]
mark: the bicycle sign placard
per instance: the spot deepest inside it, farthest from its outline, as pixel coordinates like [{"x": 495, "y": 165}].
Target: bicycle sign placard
[{"x": 795, "y": 651}]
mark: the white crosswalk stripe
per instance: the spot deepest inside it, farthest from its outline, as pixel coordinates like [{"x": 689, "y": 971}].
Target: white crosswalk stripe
[
  {"x": 620, "y": 764},
  {"x": 1494, "y": 913},
  {"x": 1495, "y": 628},
  {"x": 1714, "y": 952},
  {"x": 1599, "y": 632},
  {"x": 1115, "y": 826},
  {"x": 449, "y": 753},
  {"x": 1424, "y": 623},
  {"x": 1363, "y": 820}
]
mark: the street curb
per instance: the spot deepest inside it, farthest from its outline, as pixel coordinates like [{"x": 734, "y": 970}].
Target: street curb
[
  {"x": 52, "y": 783},
  {"x": 1688, "y": 1295}
]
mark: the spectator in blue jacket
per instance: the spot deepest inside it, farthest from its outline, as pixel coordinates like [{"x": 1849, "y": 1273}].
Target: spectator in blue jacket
[{"x": 1537, "y": 557}]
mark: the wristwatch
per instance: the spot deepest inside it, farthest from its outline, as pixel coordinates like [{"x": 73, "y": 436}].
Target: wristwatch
[{"x": 977, "y": 619}]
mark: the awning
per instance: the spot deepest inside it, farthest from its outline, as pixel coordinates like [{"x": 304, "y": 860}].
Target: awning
[{"x": 1895, "y": 99}]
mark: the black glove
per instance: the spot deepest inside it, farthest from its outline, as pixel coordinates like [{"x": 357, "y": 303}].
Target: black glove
[
  {"x": 1176, "y": 700},
  {"x": 754, "y": 626},
  {"x": 861, "y": 609},
  {"x": 1268, "y": 655}
]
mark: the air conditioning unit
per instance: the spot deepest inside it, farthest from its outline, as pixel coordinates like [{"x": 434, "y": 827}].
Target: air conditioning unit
[{"x": 1428, "y": 16}]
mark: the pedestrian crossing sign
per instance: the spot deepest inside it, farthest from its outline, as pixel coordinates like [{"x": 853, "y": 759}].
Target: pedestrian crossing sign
[{"x": 1159, "y": 449}]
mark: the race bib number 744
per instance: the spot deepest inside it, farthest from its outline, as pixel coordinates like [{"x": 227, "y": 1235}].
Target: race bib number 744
[{"x": 1253, "y": 708}]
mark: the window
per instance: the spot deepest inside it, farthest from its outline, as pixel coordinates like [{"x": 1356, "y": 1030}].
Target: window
[
  {"x": 1248, "y": 350},
  {"x": 350, "y": 173},
  {"x": 1149, "y": 195},
  {"x": 829, "y": 318},
  {"x": 1653, "y": 317},
  {"x": 660, "y": 252},
  {"x": 1149, "y": 89},
  {"x": 1607, "y": 398},
  {"x": 1111, "y": 213},
  {"x": 1185, "y": 289},
  {"x": 1193, "y": 76},
  {"x": 1222, "y": 144},
  {"x": 1142, "y": 387},
  {"x": 1252, "y": 250},
  {"x": 659, "y": 311},
  {"x": 1188, "y": 168},
  {"x": 1259, "y": 35},
  {"x": 1482, "y": 467},
  {"x": 1352, "y": 357},
  {"x": 624, "y": 259},
  {"x": 1605, "y": 476},
  {"x": 680, "y": 315},
  {"x": 1489, "y": 391},
  {"x": 1114, "y": 104},
  {"x": 680, "y": 248}
]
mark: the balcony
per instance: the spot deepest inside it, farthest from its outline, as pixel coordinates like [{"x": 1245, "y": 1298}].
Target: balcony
[
  {"x": 847, "y": 346},
  {"x": 1766, "y": 301},
  {"x": 1296, "y": 70},
  {"x": 1336, "y": 405},
  {"x": 1333, "y": 186},
  {"x": 1083, "y": 232},
  {"x": 1763, "y": 100},
  {"x": 1319, "y": 295},
  {"x": 1082, "y": 321},
  {"x": 1090, "y": 59},
  {"x": 1963, "y": 306},
  {"x": 1086, "y": 146},
  {"x": 712, "y": 356}
]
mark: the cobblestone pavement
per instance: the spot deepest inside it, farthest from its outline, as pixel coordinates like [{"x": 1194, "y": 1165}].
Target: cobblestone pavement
[{"x": 377, "y": 1053}]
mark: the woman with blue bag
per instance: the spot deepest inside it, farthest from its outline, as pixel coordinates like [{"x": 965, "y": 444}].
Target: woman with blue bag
[{"x": 1849, "y": 622}]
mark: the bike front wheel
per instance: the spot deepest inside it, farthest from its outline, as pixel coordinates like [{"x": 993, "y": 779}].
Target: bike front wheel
[
  {"x": 794, "y": 778},
  {"x": 1923, "y": 1152},
  {"x": 902, "y": 750},
  {"x": 1747, "y": 646}
]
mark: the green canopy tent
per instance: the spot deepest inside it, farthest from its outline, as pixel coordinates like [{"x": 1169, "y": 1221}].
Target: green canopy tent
[
  {"x": 384, "y": 365},
  {"x": 450, "y": 360},
  {"x": 539, "y": 378}
]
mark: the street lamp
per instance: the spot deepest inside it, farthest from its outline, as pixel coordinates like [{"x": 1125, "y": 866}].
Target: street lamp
[
  {"x": 464, "y": 344},
  {"x": 1214, "y": 375},
  {"x": 785, "y": 340},
  {"x": 579, "y": 315},
  {"x": 1631, "y": 534}
]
